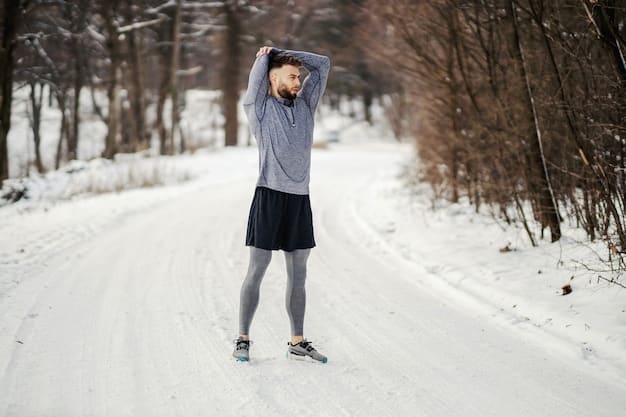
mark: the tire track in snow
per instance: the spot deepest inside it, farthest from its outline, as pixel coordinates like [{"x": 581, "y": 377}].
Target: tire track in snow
[
  {"x": 377, "y": 339},
  {"x": 461, "y": 381}
]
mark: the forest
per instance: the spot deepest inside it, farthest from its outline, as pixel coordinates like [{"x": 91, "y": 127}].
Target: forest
[
  {"x": 518, "y": 105},
  {"x": 455, "y": 205},
  {"x": 519, "y": 102}
]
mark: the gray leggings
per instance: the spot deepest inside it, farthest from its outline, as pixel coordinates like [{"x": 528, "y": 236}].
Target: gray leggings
[{"x": 295, "y": 299}]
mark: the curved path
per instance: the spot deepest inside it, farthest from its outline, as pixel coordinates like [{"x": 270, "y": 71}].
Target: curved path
[{"x": 125, "y": 305}]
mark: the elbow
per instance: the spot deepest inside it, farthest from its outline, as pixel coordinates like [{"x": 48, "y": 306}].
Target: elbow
[
  {"x": 321, "y": 65},
  {"x": 324, "y": 66},
  {"x": 326, "y": 61}
]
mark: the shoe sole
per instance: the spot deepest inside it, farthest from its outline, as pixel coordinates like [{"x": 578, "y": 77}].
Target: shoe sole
[{"x": 303, "y": 358}]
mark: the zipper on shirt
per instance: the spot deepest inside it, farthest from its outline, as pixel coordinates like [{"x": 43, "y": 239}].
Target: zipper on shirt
[
  {"x": 291, "y": 108},
  {"x": 293, "y": 115}
]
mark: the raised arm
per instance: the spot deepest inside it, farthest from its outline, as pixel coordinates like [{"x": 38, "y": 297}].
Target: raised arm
[
  {"x": 258, "y": 85},
  {"x": 315, "y": 83}
]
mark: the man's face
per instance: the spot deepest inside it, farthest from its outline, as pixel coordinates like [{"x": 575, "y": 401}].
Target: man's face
[{"x": 287, "y": 81}]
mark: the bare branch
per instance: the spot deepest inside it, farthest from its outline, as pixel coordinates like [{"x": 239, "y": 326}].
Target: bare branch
[{"x": 140, "y": 25}]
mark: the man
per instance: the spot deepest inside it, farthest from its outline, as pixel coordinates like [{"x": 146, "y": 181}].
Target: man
[{"x": 281, "y": 111}]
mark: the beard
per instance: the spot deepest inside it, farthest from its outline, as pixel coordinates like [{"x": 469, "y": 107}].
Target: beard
[{"x": 284, "y": 92}]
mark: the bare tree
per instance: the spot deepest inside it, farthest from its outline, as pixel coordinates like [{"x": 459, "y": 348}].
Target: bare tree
[
  {"x": 539, "y": 183},
  {"x": 515, "y": 102},
  {"x": 175, "y": 60},
  {"x": 36, "y": 101},
  {"x": 77, "y": 17},
  {"x": 231, "y": 70},
  {"x": 110, "y": 16},
  {"x": 12, "y": 11}
]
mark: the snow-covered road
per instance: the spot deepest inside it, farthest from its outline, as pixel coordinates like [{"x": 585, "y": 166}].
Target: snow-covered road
[{"x": 126, "y": 305}]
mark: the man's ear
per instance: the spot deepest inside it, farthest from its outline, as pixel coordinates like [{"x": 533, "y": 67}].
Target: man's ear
[{"x": 273, "y": 75}]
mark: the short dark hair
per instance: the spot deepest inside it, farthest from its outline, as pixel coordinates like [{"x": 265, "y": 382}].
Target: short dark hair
[{"x": 278, "y": 60}]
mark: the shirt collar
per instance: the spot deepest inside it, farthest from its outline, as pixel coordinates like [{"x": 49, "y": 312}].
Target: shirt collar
[{"x": 285, "y": 101}]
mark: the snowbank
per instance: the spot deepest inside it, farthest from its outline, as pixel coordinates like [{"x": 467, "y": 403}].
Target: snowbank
[{"x": 493, "y": 267}]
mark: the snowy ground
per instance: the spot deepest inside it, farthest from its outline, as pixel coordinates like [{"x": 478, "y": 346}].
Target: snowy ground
[{"x": 125, "y": 304}]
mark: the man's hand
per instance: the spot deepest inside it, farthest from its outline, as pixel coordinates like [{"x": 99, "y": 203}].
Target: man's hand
[{"x": 264, "y": 50}]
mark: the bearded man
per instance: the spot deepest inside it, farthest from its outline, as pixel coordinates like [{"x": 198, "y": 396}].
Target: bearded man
[{"x": 281, "y": 113}]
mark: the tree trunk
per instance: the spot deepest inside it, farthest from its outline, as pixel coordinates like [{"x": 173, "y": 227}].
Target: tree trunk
[
  {"x": 136, "y": 87},
  {"x": 112, "y": 45},
  {"x": 589, "y": 218},
  {"x": 36, "y": 103},
  {"x": 173, "y": 77},
  {"x": 94, "y": 103},
  {"x": 165, "y": 62},
  {"x": 159, "y": 119},
  {"x": 539, "y": 180},
  {"x": 10, "y": 24},
  {"x": 61, "y": 99},
  {"x": 604, "y": 19},
  {"x": 77, "y": 18},
  {"x": 453, "y": 107},
  {"x": 231, "y": 72},
  {"x": 113, "y": 118},
  {"x": 72, "y": 137}
]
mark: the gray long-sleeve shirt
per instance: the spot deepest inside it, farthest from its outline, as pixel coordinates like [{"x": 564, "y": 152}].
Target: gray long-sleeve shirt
[{"x": 284, "y": 128}]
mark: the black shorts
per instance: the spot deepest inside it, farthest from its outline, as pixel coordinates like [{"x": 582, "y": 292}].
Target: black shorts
[{"x": 280, "y": 220}]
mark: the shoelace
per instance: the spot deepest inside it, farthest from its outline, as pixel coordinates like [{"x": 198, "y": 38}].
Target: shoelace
[
  {"x": 242, "y": 344},
  {"x": 307, "y": 345}
]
